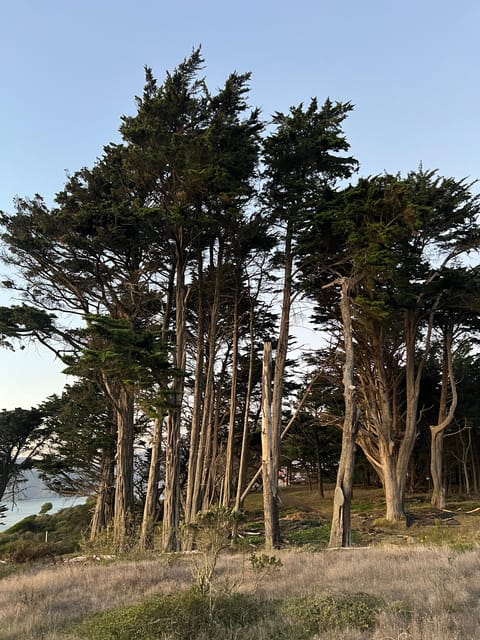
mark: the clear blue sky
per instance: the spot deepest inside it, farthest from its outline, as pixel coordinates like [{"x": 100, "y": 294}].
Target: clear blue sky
[{"x": 71, "y": 68}]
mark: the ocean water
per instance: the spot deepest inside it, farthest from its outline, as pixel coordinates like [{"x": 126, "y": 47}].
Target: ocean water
[
  {"x": 27, "y": 507},
  {"x": 33, "y": 496}
]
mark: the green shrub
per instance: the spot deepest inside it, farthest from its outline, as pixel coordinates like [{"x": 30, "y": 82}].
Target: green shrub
[
  {"x": 321, "y": 612},
  {"x": 210, "y": 533},
  {"x": 46, "y": 506},
  {"x": 32, "y": 524},
  {"x": 23, "y": 551},
  {"x": 182, "y": 616}
]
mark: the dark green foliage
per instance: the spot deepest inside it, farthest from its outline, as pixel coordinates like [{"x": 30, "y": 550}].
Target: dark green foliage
[
  {"x": 135, "y": 355},
  {"x": 22, "y": 321},
  {"x": 46, "y": 506},
  {"x": 20, "y": 429},
  {"x": 82, "y": 429}
]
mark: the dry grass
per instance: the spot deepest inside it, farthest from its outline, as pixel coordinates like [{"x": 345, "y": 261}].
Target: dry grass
[{"x": 431, "y": 593}]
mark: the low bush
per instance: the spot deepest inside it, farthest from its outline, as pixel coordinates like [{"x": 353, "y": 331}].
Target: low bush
[
  {"x": 23, "y": 551},
  {"x": 190, "y": 615},
  {"x": 182, "y": 616},
  {"x": 320, "y": 612}
]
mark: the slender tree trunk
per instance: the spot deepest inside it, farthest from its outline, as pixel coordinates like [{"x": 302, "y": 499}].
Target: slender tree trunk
[
  {"x": 228, "y": 478},
  {"x": 204, "y": 457},
  {"x": 340, "y": 534},
  {"x": 258, "y": 473},
  {"x": 242, "y": 467},
  {"x": 444, "y": 420},
  {"x": 214, "y": 484},
  {"x": 270, "y": 482},
  {"x": 171, "y": 513},
  {"x": 474, "y": 464},
  {"x": 150, "y": 509},
  {"x": 321, "y": 489},
  {"x": 193, "y": 459},
  {"x": 279, "y": 373}
]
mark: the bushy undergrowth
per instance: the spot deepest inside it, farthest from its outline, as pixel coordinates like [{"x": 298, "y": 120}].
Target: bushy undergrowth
[
  {"x": 191, "y": 615},
  {"x": 183, "y": 616},
  {"x": 320, "y": 612},
  {"x": 44, "y": 535}
]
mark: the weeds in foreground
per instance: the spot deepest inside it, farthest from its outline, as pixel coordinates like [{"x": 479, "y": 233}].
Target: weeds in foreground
[
  {"x": 263, "y": 566},
  {"x": 409, "y": 592},
  {"x": 210, "y": 534}
]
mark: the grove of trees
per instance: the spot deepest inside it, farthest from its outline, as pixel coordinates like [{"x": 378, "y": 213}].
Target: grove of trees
[{"x": 160, "y": 275}]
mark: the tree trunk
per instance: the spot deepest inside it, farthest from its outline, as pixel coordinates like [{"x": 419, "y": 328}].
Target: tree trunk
[
  {"x": 214, "y": 482},
  {"x": 242, "y": 466},
  {"x": 171, "y": 513},
  {"x": 228, "y": 478},
  {"x": 104, "y": 505},
  {"x": 436, "y": 469},
  {"x": 269, "y": 452},
  {"x": 124, "y": 498},
  {"x": 444, "y": 419},
  {"x": 150, "y": 509},
  {"x": 340, "y": 534},
  {"x": 279, "y": 373},
  {"x": 190, "y": 510},
  {"x": 204, "y": 458}
]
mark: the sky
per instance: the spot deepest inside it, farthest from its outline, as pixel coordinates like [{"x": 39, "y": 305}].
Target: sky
[{"x": 69, "y": 69}]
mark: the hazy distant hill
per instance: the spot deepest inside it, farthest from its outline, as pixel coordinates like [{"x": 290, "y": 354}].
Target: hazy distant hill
[{"x": 34, "y": 488}]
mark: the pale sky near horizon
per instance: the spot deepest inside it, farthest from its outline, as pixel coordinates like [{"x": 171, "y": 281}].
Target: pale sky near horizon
[{"x": 70, "y": 69}]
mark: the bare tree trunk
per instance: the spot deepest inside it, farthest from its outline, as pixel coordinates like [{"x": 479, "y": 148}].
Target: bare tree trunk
[
  {"x": 242, "y": 467},
  {"x": 124, "y": 498},
  {"x": 444, "y": 419},
  {"x": 190, "y": 511},
  {"x": 340, "y": 534},
  {"x": 228, "y": 478},
  {"x": 270, "y": 480},
  {"x": 204, "y": 457},
  {"x": 214, "y": 477},
  {"x": 258, "y": 473},
  {"x": 171, "y": 513},
  {"x": 150, "y": 509},
  {"x": 279, "y": 373},
  {"x": 104, "y": 505}
]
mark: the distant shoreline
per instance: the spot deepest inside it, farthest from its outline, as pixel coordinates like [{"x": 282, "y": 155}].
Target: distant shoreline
[{"x": 32, "y": 506}]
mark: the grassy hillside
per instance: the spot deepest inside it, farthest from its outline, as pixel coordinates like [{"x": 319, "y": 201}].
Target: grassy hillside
[{"x": 419, "y": 582}]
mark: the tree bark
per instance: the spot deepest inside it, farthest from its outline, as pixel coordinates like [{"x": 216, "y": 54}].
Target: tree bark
[
  {"x": 190, "y": 510},
  {"x": 150, "y": 509},
  {"x": 171, "y": 514},
  {"x": 340, "y": 534},
  {"x": 228, "y": 478},
  {"x": 279, "y": 375},
  {"x": 444, "y": 420},
  {"x": 269, "y": 452},
  {"x": 104, "y": 504},
  {"x": 124, "y": 498},
  {"x": 242, "y": 466}
]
